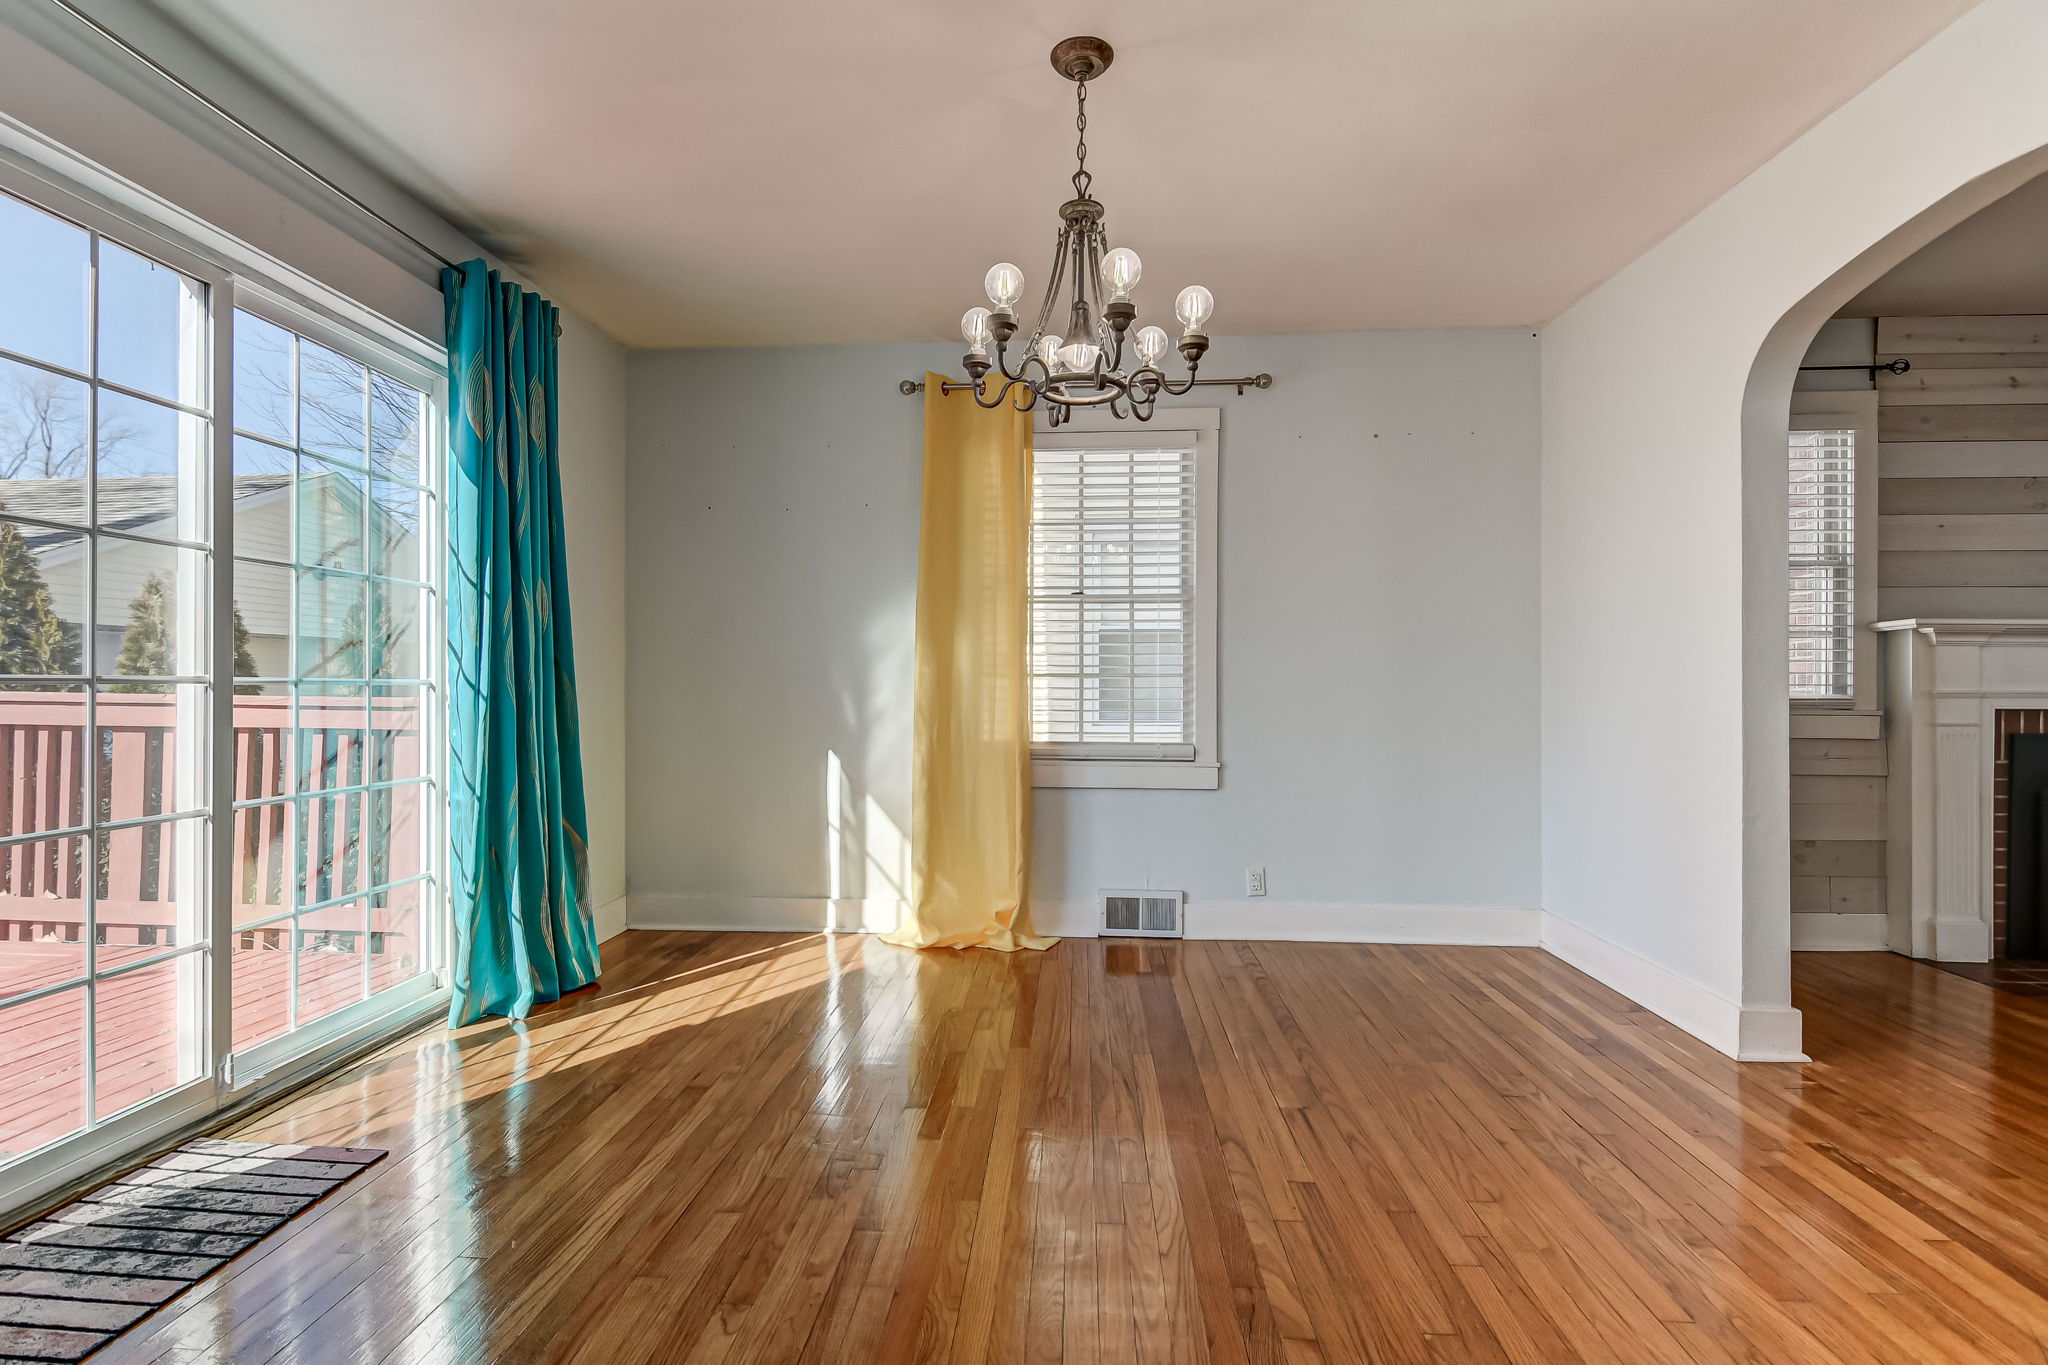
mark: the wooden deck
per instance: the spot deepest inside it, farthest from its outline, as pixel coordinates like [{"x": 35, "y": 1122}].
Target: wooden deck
[
  {"x": 749, "y": 1148},
  {"x": 42, "y": 1044}
]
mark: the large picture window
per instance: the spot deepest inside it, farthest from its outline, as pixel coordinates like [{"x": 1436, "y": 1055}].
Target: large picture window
[{"x": 219, "y": 643}]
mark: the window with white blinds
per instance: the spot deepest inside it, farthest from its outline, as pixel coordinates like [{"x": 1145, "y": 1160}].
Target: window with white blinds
[
  {"x": 1823, "y": 563},
  {"x": 1114, "y": 543}
]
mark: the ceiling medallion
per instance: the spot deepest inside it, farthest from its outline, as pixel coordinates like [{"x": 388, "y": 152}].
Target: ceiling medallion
[{"x": 1084, "y": 366}]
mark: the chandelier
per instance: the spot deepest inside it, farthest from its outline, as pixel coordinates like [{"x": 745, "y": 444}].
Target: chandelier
[{"x": 1084, "y": 365}]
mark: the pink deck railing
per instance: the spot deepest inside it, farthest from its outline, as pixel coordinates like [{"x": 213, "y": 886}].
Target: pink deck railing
[{"x": 353, "y": 840}]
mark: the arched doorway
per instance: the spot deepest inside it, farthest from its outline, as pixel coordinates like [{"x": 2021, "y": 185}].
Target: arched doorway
[{"x": 1665, "y": 396}]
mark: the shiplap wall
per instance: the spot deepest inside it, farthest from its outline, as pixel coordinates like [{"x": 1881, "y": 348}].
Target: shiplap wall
[
  {"x": 1963, "y": 467},
  {"x": 1838, "y": 796},
  {"x": 1962, "y": 531}
]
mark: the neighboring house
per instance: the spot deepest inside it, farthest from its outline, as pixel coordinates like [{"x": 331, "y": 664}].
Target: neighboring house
[{"x": 331, "y": 513}]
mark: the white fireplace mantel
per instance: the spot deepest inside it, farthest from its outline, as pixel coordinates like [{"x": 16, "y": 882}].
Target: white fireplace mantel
[{"x": 1945, "y": 682}]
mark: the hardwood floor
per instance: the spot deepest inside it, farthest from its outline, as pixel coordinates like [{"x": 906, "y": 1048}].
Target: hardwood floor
[{"x": 751, "y": 1148}]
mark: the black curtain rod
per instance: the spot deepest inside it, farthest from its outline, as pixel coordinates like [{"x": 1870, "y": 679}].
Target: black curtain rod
[
  {"x": 1899, "y": 366},
  {"x": 194, "y": 92}
]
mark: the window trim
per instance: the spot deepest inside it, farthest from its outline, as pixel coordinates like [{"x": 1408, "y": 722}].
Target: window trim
[
  {"x": 1855, "y": 410},
  {"x": 1201, "y": 770}
]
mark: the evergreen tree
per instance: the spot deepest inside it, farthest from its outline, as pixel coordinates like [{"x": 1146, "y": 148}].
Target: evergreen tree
[
  {"x": 245, "y": 657},
  {"x": 33, "y": 638},
  {"x": 147, "y": 646},
  {"x": 364, "y": 640}
]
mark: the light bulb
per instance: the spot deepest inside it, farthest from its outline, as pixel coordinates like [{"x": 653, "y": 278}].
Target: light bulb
[
  {"x": 1120, "y": 271},
  {"x": 974, "y": 329},
  {"x": 1152, "y": 343},
  {"x": 1194, "y": 306},
  {"x": 1079, "y": 358},
  {"x": 1005, "y": 284},
  {"x": 1049, "y": 351}
]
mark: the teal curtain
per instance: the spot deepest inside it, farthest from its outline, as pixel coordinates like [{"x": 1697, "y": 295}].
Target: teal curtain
[{"x": 520, "y": 880}]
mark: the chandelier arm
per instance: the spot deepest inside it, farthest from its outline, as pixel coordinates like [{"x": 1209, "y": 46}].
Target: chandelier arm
[
  {"x": 1115, "y": 348},
  {"x": 1052, "y": 285},
  {"x": 1088, "y": 269},
  {"x": 1102, "y": 328},
  {"x": 1003, "y": 364},
  {"x": 997, "y": 401},
  {"x": 1078, "y": 321}
]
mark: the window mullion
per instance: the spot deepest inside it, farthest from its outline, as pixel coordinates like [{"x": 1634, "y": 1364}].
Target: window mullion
[{"x": 220, "y": 905}]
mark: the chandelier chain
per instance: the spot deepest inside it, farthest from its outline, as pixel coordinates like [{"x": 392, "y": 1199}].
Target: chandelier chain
[{"x": 1082, "y": 179}]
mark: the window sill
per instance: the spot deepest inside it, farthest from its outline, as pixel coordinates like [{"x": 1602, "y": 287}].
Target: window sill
[{"x": 1160, "y": 774}]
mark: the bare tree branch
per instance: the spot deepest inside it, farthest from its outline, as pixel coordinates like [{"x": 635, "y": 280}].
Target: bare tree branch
[{"x": 42, "y": 426}]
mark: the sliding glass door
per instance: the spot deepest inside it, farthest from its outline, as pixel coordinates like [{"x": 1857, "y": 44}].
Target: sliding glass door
[
  {"x": 220, "y": 842},
  {"x": 104, "y": 564},
  {"x": 334, "y": 893}
]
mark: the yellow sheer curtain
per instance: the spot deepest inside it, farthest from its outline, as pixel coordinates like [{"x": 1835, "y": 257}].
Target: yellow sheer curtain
[{"x": 971, "y": 758}]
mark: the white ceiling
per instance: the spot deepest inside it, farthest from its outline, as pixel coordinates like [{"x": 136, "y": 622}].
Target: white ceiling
[
  {"x": 1994, "y": 261},
  {"x": 686, "y": 174}
]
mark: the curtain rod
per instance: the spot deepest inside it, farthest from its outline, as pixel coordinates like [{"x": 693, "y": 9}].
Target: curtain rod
[
  {"x": 166, "y": 73},
  {"x": 1899, "y": 366}
]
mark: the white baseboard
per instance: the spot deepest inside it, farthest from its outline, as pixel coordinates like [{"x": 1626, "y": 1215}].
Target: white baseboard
[
  {"x": 610, "y": 918},
  {"x": 1769, "y": 1034},
  {"x": 1495, "y": 926},
  {"x": 1287, "y": 921},
  {"x": 1958, "y": 939},
  {"x": 763, "y": 914},
  {"x": 1814, "y": 932}
]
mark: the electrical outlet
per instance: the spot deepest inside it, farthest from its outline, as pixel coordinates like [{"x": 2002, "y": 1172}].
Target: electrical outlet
[{"x": 1255, "y": 881}]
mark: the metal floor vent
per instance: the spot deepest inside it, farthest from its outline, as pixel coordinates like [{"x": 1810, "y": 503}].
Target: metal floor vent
[{"x": 1142, "y": 914}]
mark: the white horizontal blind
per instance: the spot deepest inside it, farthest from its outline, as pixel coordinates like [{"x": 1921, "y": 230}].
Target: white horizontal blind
[
  {"x": 1113, "y": 597},
  {"x": 1823, "y": 489}
]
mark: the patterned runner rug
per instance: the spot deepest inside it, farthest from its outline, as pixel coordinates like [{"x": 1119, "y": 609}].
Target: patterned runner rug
[{"x": 78, "y": 1277}]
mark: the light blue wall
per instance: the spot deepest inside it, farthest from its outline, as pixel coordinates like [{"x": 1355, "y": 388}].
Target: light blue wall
[{"x": 1378, "y": 629}]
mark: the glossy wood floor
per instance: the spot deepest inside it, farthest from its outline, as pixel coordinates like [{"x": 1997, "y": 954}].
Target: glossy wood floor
[{"x": 762, "y": 1148}]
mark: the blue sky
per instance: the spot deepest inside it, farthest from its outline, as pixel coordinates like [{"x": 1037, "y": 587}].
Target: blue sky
[{"x": 45, "y": 297}]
